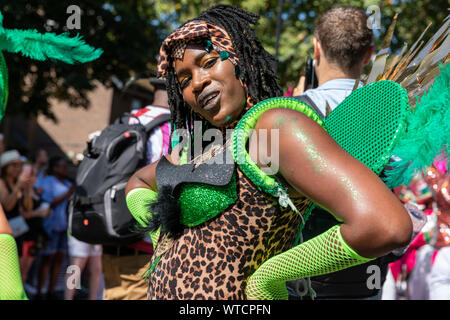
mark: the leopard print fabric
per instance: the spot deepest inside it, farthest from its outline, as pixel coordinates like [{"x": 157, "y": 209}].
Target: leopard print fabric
[
  {"x": 174, "y": 45},
  {"x": 215, "y": 259}
]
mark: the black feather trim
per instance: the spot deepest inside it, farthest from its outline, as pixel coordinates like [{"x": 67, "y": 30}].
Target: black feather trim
[{"x": 165, "y": 212}]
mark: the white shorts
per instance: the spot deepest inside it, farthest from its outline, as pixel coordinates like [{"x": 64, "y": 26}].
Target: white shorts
[{"x": 82, "y": 249}]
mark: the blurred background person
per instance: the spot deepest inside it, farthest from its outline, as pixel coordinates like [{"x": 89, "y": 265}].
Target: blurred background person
[
  {"x": 57, "y": 189},
  {"x": 123, "y": 266},
  {"x": 84, "y": 255},
  {"x": 16, "y": 185},
  {"x": 423, "y": 272},
  {"x": 40, "y": 166},
  {"x": 36, "y": 238},
  {"x": 338, "y": 64}
]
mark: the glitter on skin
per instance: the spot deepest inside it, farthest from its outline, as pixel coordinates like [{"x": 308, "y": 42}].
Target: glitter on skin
[
  {"x": 350, "y": 187},
  {"x": 319, "y": 163},
  {"x": 278, "y": 122}
]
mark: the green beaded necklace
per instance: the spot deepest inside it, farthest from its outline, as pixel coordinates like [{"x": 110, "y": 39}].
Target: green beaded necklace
[{"x": 240, "y": 137}]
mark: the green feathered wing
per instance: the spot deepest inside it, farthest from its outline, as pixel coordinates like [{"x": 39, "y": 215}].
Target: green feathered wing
[
  {"x": 427, "y": 134},
  {"x": 40, "y": 46}
]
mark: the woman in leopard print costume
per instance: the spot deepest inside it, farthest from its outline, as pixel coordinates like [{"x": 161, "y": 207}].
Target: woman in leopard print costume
[{"x": 216, "y": 70}]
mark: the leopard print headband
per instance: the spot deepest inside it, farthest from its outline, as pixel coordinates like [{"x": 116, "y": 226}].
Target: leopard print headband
[{"x": 213, "y": 37}]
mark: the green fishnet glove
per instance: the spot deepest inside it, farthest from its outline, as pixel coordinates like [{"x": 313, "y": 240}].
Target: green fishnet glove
[
  {"x": 323, "y": 254},
  {"x": 11, "y": 287},
  {"x": 138, "y": 201}
]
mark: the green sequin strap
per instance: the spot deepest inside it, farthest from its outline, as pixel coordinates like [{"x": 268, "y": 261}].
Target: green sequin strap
[{"x": 241, "y": 135}]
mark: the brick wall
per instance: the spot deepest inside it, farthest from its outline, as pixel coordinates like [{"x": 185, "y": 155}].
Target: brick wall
[{"x": 75, "y": 124}]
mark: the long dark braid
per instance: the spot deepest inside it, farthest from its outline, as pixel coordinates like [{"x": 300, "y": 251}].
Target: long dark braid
[{"x": 255, "y": 63}]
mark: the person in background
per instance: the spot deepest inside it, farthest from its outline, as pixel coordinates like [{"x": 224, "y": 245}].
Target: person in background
[
  {"x": 36, "y": 239},
  {"x": 40, "y": 165},
  {"x": 57, "y": 189},
  {"x": 16, "y": 184},
  {"x": 19, "y": 200},
  {"x": 423, "y": 272},
  {"x": 83, "y": 254},
  {"x": 440, "y": 272},
  {"x": 338, "y": 64},
  {"x": 123, "y": 266}
]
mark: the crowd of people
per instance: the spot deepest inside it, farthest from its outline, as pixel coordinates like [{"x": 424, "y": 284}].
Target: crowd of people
[
  {"x": 237, "y": 236},
  {"x": 34, "y": 196}
]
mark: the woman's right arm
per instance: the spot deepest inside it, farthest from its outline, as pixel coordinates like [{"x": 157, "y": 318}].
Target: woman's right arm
[
  {"x": 146, "y": 176},
  {"x": 140, "y": 191}
]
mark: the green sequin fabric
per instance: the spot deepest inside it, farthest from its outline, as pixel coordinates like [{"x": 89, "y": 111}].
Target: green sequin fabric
[
  {"x": 201, "y": 202},
  {"x": 370, "y": 121}
]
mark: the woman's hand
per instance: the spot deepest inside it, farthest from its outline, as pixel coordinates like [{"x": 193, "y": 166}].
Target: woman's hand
[
  {"x": 44, "y": 213},
  {"x": 374, "y": 220},
  {"x": 26, "y": 180}
]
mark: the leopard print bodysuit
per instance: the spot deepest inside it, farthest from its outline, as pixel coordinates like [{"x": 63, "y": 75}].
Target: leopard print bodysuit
[{"x": 214, "y": 259}]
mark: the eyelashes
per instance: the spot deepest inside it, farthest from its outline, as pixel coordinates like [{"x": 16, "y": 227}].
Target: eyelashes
[
  {"x": 184, "y": 83},
  {"x": 209, "y": 63}
]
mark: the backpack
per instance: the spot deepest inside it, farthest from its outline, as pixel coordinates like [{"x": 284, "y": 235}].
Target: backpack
[{"x": 98, "y": 212}]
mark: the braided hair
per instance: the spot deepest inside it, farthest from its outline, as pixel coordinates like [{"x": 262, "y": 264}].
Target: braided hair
[{"x": 255, "y": 63}]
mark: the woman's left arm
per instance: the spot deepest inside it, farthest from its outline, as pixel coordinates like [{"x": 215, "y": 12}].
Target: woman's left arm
[{"x": 374, "y": 220}]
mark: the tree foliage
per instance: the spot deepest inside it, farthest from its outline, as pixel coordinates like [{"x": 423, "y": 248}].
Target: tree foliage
[
  {"x": 299, "y": 16},
  {"x": 130, "y": 33}
]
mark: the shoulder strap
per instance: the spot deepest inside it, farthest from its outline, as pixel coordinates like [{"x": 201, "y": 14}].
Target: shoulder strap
[
  {"x": 157, "y": 122},
  {"x": 306, "y": 99}
]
